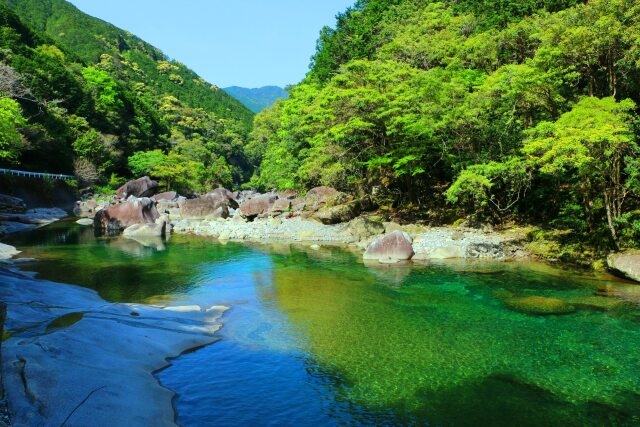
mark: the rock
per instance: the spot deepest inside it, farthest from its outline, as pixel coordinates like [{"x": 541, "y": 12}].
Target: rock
[
  {"x": 7, "y": 252},
  {"x": 392, "y": 247},
  {"x": 166, "y": 196},
  {"x": 222, "y": 195},
  {"x": 84, "y": 221},
  {"x": 94, "y": 369},
  {"x": 10, "y": 204},
  {"x": 538, "y": 305},
  {"x": 39, "y": 216},
  {"x": 442, "y": 252},
  {"x": 245, "y": 195},
  {"x": 158, "y": 229},
  {"x": 287, "y": 195},
  {"x": 140, "y": 188},
  {"x": 315, "y": 247},
  {"x": 134, "y": 211},
  {"x": 280, "y": 206},
  {"x": 10, "y": 227},
  {"x": 321, "y": 194},
  {"x": 207, "y": 207},
  {"x": 626, "y": 264},
  {"x": 338, "y": 214},
  {"x": 258, "y": 205},
  {"x": 362, "y": 228}
]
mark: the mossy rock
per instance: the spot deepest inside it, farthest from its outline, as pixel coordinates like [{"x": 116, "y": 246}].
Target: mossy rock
[{"x": 538, "y": 305}]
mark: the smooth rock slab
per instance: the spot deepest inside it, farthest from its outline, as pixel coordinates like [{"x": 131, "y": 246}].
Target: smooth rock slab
[
  {"x": 7, "y": 252},
  {"x": 98, "y": 370}
]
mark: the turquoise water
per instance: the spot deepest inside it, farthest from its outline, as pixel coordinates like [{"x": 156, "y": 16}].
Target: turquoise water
[{"x": 318, "y": 338}]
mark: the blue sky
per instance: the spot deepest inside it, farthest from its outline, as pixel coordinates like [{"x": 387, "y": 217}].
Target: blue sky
[{"x": 248, "y": 43}]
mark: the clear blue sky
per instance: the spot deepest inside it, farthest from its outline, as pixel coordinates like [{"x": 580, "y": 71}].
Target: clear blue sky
[{"x": 248, "y": 43}]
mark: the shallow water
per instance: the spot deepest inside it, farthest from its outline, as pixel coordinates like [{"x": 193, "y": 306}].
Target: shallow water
[{"x": 318, "y": 338}]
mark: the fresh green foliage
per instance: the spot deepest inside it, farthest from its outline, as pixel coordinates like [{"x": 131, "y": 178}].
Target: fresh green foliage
[
  {"x": 93, "y": 95},
  {"x": 10, "y": 121},
  {"x": 515, "y": 110}
]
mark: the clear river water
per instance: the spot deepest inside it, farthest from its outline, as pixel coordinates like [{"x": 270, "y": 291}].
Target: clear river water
[{"x": 317, "y": 338}]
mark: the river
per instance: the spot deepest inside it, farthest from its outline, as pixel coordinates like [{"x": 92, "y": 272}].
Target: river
[{"x": 319, "y": 338}]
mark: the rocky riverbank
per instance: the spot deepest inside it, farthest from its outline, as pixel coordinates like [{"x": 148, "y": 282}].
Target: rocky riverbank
[{"x": 71, "y": 358}]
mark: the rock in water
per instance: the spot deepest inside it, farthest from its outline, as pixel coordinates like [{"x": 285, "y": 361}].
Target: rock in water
[
  {"x": 390, "y": 248},
  {"x": 7, "y": 252},
  {"x": 159, "y": 229},
  {"x": 539, "y": 305},
  {"x": 85, "y": 221},
  {"x": 626, "y": 264},
  {"x": 141, "y": 187},
  {"x": 134, "y": 211}
]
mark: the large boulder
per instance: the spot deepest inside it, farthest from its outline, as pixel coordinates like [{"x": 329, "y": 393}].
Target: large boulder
[
  {"x": 338, "y": 214},
  {"x": 258, "y": 205},
  {"x": 626, "y": 263},
  {"x": 133, "y": 211},
  {"x": 141, "y": 187},
  {"x": 157, "y": 229},
  {"x": 224, "y": 196},
  {"x": 166, "y": 196},
  {"x": 204, "y": 208},
  {"x": 320, "y": 197},
  {"x": 12, "y": 204},
  {"x": 280, "y": 206},
  {"x": 88, "y": 208},
  {"x": 363, "y": 228},
  {"x": 392, "y": 247}
]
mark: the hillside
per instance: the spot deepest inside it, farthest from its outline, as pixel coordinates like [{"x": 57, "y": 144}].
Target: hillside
[
  {"x": 82, "y": 96},
  {"x": 486, "y": 111},
  {"x": 259, "y": 98},
  {"x": 91, "y": 38}
]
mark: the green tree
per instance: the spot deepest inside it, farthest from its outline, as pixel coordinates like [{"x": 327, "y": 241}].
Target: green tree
[{"x": 11, "y": 120}]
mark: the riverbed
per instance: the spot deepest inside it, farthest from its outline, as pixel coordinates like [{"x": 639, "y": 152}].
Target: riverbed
[{"x": 316, "y": 337}]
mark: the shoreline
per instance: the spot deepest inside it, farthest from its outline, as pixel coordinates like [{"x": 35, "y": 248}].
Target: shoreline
[{"x": 96, "y": 344}]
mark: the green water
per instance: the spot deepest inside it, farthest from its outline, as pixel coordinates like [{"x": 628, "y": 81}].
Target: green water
[{"x": 318, "y": 338}]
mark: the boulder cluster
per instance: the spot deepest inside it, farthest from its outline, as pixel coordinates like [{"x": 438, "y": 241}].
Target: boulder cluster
[{"x": 139, "y": 209}]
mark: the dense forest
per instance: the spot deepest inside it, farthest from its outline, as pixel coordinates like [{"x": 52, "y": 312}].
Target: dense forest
[
  {"x": 491, "y": 110},
  {"x": 78, "y": 95}
]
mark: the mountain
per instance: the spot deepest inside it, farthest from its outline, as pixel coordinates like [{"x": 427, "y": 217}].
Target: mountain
[
  {"x": 91, "y": 39},
  {"x": 83, "y": 95},
  {"x": 257, "y": 99}
]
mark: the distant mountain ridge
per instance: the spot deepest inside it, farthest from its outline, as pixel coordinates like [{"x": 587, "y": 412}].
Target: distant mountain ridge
[{"x": 257, "y": 99}]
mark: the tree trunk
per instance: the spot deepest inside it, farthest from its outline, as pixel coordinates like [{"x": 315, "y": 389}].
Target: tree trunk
[{"x": 612, "y": 227}]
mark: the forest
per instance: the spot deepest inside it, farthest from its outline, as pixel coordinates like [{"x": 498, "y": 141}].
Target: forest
[
  {"x": 80, "y": 96},
  {"x": 494, "y": 111}
]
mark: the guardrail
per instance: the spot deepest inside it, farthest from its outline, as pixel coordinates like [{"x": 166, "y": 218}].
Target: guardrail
[{"x": 37, "y": 174}]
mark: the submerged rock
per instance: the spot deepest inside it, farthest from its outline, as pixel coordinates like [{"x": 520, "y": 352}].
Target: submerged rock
[
  {"x": 626, "y": 263},
  {"x": 390, "y": 248},
  {"x": 539, "y": 305}
]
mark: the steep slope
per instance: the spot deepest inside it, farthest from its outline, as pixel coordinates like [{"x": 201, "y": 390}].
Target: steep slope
[
  {"x": 259, "y": 98},
  {"x": 490, "y": 110},
  {"x": 97, "y": 101},
  {"x": 91, "y": 39}
]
